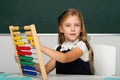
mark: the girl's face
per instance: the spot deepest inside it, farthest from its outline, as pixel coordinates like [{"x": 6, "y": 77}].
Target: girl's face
[{"x": 71, "y": 28}]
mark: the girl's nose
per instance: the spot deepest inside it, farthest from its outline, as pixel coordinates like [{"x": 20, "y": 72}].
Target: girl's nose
[{"x": 72, "y": 28}]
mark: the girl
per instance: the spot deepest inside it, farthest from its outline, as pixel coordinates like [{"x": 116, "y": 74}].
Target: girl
[{"x": 74, "y": 55}]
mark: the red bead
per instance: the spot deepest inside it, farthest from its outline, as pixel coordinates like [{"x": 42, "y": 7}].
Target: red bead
[
  {"x": 24, "y": 53},
  {"x": 23, "y": 47}
]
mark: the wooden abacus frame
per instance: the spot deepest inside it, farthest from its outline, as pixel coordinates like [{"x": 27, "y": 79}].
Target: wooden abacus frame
[{"x": 36, "y": 45}]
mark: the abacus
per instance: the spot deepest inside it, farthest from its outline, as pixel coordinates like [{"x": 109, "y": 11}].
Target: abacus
[{"x": 23, "y": 50}]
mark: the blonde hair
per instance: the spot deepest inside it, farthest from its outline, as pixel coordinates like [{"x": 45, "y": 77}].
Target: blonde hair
[{"x": 83, "y": 35}]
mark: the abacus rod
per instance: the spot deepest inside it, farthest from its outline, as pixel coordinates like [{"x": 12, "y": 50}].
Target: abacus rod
[
  {"x": 11, "y": 32},
  {"x": 39, "y": 54}
]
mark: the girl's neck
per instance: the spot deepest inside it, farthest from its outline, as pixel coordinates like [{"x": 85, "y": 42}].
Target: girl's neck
[{"x": 67, "y": 41}]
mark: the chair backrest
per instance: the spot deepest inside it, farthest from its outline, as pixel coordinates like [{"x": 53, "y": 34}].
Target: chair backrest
[{"x": 104, "y": 59}]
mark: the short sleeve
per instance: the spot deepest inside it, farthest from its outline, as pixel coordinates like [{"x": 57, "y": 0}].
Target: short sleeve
[{"x": 83, "y": 47}]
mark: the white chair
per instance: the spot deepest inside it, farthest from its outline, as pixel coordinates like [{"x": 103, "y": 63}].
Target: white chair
[{"x": 104, "y": 59}]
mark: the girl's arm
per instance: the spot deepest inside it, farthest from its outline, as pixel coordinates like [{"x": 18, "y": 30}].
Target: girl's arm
[
  {"x": 49, "y": 66},
  {"x": 61, "y": 57}
]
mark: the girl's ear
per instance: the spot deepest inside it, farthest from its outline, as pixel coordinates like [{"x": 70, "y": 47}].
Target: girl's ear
[{"x": 60, "y": 29}]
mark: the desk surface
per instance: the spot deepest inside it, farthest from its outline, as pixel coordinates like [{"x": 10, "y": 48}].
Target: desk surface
[
  {"x": 74, "y": 77},
  {"x": 67, "y": 77}
]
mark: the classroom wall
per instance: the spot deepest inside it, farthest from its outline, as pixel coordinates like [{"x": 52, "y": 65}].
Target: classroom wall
[{"x": 8, "y": 64}]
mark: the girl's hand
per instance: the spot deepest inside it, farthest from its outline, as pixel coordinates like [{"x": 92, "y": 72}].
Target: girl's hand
[{"x": 17, "y": 59}]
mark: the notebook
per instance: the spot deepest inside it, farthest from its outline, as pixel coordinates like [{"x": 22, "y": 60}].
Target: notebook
[
  {"x": 4, "y": 76},
  {"x": 112, "y": 78}
]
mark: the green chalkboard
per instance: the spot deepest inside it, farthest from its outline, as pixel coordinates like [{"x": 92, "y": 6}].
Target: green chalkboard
[{"x": 101, "y": 16}]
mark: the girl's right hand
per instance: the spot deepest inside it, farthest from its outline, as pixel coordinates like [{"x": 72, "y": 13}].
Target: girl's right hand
[{"x": 17, "y": 59}]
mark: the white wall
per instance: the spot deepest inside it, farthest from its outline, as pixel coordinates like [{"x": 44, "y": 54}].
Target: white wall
[{"x": 8, "y": 64}]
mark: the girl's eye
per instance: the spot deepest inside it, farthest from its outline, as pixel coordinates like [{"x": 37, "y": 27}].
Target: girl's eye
[
  {"x": 67, "y": 25},
  {"x": 77, "y": 25}
]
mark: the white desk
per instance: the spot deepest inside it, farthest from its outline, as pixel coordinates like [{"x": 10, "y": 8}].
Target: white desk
[
  {"x": 73, "y": 77},
  {"x": 62, "y": 77}
]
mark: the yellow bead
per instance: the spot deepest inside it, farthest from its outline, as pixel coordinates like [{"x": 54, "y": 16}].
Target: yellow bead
[
  {"x": 32, "y": 44},
  {"x": 29, "y": 38},
  {"x": 20, "y": 43},
  {"x": 17, "y": 38}
]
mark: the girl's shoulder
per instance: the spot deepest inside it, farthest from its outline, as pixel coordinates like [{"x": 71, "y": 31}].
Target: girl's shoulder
[
  {"x": 71, "y": 45},
  {"x": 76, "y": 44}
]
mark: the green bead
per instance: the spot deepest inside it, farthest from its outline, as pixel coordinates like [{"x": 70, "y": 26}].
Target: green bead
[
  {"x": 27, "y": 63},
  {"x": 25, "y": 58}
]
